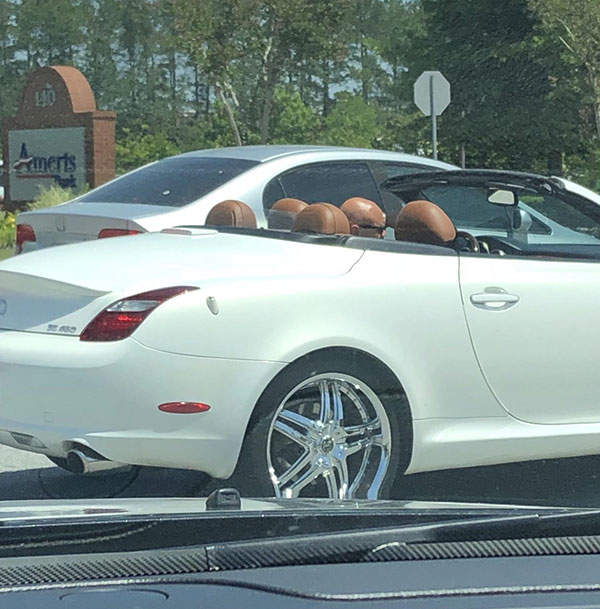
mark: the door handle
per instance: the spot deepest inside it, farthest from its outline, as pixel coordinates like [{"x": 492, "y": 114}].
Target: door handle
[{"x": 494, "y": 299}]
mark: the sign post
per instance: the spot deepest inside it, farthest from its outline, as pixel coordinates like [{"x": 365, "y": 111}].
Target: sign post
[
  {"x": 58, "y": 137},
  {"x": 432, "y": 96}
]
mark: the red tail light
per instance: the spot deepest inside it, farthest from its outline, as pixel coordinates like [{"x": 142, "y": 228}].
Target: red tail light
[
  {"x": 184, "y": 407},
  {"x": 25, "y": 233},
  {"x": 116, "y": 232},
  {"x": 120, "y": 319}
]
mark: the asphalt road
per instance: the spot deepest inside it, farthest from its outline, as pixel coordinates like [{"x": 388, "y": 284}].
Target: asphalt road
[{"x": 573, "y": 482}]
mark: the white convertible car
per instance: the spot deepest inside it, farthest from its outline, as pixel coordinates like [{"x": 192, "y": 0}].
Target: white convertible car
[{"x": 312, "y": 362}]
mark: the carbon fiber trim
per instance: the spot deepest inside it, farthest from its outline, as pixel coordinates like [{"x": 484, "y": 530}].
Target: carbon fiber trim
[
  {"x": 52, "y": 569},
  {"x": 49, "y": 570}
]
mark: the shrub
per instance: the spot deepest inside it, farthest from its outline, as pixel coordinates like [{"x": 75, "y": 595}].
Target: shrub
[
  {"x": 7, "y": 230},
  {"x": 54, "y": 195},
  {"x": 48, "y": 197}
]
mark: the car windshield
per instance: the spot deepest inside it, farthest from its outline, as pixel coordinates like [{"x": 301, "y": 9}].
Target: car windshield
[
  {"x": 555, "y": 215},
  {"x": 309, "y": 255},
  {"x": 171, "y": 182}
]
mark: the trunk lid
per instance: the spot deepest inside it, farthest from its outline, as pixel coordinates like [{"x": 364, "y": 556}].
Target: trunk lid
[
  {"x": 60, "y": 290},
  {"x": 74, "y": 222}
]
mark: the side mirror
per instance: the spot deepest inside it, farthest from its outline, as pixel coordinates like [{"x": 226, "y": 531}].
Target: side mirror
[
  {"x": 498, "y": 196},
  {"x": 521, "y": 221}
]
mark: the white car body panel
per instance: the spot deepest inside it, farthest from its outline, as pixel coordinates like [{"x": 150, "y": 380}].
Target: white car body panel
[
  {"x": 537, "y": 354},
  {"x": 270, "y": 322},
  {"x": 153, "y": 261},
  {"x": 105, "y": 396},
  {"x": 467, "y": 442}
]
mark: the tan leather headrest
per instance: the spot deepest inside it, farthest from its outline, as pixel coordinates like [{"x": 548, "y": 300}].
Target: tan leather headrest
[
  {"x": 294, "y": 206},
  {"x": 231, "y": 213},
  {"x": 322, "y": 218},
  {"x": 283, "y": 213},
  {"x": 361, "y": 211},
  {"x": 424, "y": 222}
]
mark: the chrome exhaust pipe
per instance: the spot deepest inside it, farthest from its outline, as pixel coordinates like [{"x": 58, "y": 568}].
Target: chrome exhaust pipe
[{"x": 79, "y": 462}]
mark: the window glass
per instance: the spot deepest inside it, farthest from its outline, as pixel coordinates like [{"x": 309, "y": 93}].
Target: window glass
[
  {"x": 330, "y": 183},
  {"x": 273, "y": 192},
  {"x": 172, "y": 182},
  {"x": 563, "y": 213},
  {"x": 469, "y": 208},
  {"x": 384, "y": 170}
]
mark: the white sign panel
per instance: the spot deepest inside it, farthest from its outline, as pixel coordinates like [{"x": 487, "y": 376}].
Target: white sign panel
[
  {"x": 43, "y": 157},
  {"x": 432, "y": 89}
]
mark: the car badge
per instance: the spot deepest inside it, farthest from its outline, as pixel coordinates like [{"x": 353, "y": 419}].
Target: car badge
[
  {"x": 3, "y": 307},
  {"x": 61, "y": 225}
]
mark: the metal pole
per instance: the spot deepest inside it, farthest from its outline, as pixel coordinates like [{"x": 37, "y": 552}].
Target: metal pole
[{"x": 433, "y": 119}]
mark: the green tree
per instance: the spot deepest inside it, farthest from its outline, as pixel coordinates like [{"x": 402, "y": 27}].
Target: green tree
[
  {"x": 142, "y": 79},
  {"x": 134, "y": 149},
  {"x": 508, "y": 108},
  {"x": 365, "y": 66},
  {"x": 576, "y": 24},
  {"x": 351, "y": 122},
  {"x": 98, "y": 62},
  {"x": 283, "y": 32},
  {"x": 293, "y": 121},
  {"x": 401, "y": 24},
  {"x": 50, "y": 32},
  {"x": 11, "y": 72},
  {"x": 212, "y": 33}
]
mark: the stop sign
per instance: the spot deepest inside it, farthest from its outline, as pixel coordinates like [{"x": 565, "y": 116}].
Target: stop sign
[{"x": 432, "y": 93}]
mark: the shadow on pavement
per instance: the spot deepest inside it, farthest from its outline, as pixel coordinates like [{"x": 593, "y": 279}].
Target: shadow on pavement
[
  {"x": 565, "y": 482},
  {"x": 56, "y": 483}
]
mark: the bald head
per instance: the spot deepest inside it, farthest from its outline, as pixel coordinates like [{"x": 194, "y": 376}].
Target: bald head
[{"x": 365, "y": 217}]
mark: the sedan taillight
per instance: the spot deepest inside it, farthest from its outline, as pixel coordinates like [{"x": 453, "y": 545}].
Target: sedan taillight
[
  {"x": 116, "y": 232},
  {"x": 25, "y": 234},
  {"x": 120, "y": 319}
]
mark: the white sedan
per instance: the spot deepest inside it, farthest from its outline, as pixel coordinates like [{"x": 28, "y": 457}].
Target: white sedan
[
  {"x": 183, "y": 189},
  {"x": 311, "y": 362}
]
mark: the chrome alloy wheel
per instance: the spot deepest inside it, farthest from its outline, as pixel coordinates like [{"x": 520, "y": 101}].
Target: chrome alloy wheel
[{"x": 330, "y": 437}]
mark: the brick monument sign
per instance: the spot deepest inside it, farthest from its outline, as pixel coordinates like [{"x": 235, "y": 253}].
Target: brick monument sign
[{"x": 57, "y": 137}]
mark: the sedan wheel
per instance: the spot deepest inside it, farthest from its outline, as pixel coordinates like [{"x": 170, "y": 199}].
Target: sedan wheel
[{"x": 330, "y": 436}]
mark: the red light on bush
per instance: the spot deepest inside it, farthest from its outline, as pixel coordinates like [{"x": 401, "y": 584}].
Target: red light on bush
[
  {"x": 116, "y": 232},
  {"x": 183, "y": 407},
  {"x": 25, "y": 234}
]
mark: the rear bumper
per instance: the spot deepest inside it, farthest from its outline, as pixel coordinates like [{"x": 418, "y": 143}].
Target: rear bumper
[{"x": 59, "y": 391}]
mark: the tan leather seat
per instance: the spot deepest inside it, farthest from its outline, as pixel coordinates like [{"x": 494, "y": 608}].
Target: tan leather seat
[
  {"x": 322, "y": 218},
  {"x": 284, "y": 212},
  {"x": 231, "y": 213},
  {"x": 424, "y": 222}
]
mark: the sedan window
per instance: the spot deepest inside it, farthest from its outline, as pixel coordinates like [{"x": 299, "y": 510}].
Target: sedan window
[
  {"x": 325, "y": 182},
  {"x": 172, "y": 182}
]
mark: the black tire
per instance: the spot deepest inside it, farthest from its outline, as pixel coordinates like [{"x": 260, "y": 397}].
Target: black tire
[{"x": 251, "y": 476}]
